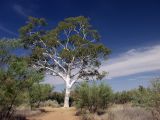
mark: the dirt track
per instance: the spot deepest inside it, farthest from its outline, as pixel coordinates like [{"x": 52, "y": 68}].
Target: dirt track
[{"x": 56, "y": 114}]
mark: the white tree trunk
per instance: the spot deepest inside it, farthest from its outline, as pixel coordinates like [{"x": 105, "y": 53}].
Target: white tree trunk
[
  {"x": 67, "y": 92},
  {"x": 67, "y": 95}
]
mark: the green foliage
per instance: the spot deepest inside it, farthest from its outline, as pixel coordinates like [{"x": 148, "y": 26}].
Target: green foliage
[
  {"x": 149, "y": 98},
  {"x": 13, "y": 85},
  {"x": 38, "y": 93},
  {"x": 6, "y": 45},
  {"x": 58, "y": 96},
  {"x": 154, "y": 99},
  {"x": 122, "y": 97},
  {"x": 156, "y": 85},
  {"x": 141, "y": 97},
  {"x": 32, "y": 23},
  {"x": 15, "y": 77},
  {"x": 92, "y": 97}
]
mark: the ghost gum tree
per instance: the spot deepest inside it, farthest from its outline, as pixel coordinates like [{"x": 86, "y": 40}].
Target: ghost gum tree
[{"x": 71, "y": 50}]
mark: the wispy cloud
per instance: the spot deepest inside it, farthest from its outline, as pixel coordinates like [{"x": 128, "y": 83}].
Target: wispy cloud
[
  {"x": 142, "y": 77},
  {"x": 134, "y": 61},
  {"x": 4, "y": 29},
  {"x": 20, "y": 10}
]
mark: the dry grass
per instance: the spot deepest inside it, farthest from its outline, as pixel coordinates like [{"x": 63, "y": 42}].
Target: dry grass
[
  {"x": 127, "y": 112},
  {"x": 121, "y": 112}
]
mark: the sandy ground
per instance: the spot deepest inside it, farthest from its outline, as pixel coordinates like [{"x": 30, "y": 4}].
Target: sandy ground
[{"x": 56, "y": 114}]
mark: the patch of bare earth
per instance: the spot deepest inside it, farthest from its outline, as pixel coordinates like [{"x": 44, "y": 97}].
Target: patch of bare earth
[{"x": 55, "y": 114}]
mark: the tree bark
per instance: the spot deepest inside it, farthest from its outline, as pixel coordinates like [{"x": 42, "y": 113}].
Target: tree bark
[{"x": 67, "y": 95}]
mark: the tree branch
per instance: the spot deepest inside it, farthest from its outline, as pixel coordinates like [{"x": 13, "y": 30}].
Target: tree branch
[{"x": 56, "y": 61}]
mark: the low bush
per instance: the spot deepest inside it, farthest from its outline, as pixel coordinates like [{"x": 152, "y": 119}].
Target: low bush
[
  {"x": 122, "y": 97},
  {"x": 38, "y": 92},
  {"x": 92, "y": 97},
  {"x": 87, "y": 116},
  {"x": 49, "y": 103},
  {"x": 58, "y": 96},
  {"x": 149, "y": 98}
]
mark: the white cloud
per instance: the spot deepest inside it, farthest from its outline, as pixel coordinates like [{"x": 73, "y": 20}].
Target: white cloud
[
  {"x": 4, "y": 29},
  {"x": 20, "y": 10},
  {"x": 134, "y": 61}
]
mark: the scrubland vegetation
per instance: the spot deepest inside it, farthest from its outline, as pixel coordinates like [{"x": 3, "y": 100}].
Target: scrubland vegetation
[
  {"x": 138, "y": 104},
  {"x": 93, "y": 101}
]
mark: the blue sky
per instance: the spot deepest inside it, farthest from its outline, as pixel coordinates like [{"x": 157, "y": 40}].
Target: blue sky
[{"x": 130, "y": 28}]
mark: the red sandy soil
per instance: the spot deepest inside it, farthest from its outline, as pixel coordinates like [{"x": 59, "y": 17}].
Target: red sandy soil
[{"x": 56, "y": 114}]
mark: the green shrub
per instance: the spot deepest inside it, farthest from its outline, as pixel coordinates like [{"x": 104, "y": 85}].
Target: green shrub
[
  {"x": 122, "y": 97},
  {"x": 154, "y": 99},
  {"x": 58, "y": 96},
  {"x": 38, "y": 93},
  {"x": 13, "y": 85},
  {"x": 92, "y": 97},
  {"x": 141, "y": 97},
  {"x": 149, "y": 98}
]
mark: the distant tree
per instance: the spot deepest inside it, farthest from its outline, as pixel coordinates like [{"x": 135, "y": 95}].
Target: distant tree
[{"x": 71, "y": 50}]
